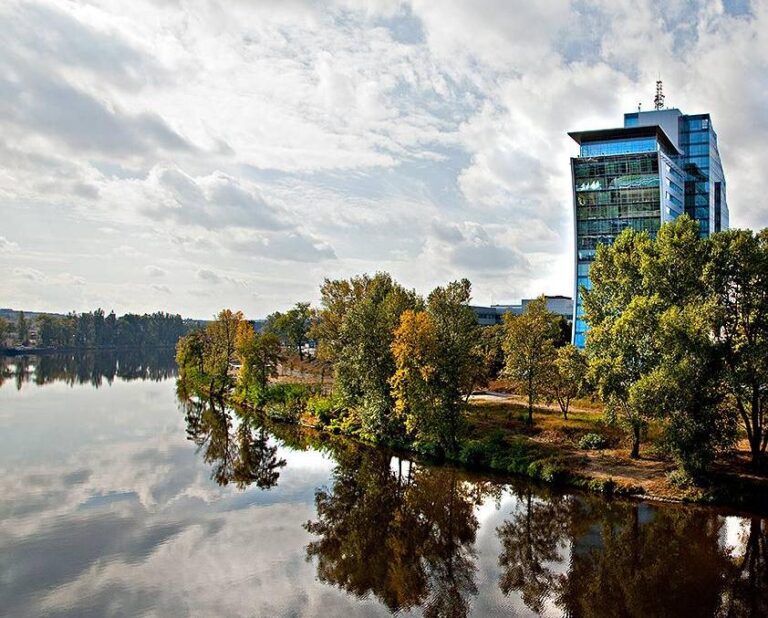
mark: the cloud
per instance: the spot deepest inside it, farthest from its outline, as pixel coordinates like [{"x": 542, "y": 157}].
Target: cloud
[
  {"x": 470, "y": 248},
  {"x": 207, "y": 275},
  {"x": 7, "y": 246},
  {"x": 213, "y": 201},
  {"x": 155, "y": 271},
  {"x": 30, "y": 274},
  {"x": 291, "y": 246},
  {"x": 296, "y": 142}
]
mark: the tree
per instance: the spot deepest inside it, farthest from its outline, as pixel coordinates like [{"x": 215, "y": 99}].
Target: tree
[
  {"x": 221, "y": 352},
  {"x": 48, "y": 329},
  {"x": 529, "y": 348},
  {"x": 685, "y": 393},
  {"x": 22, "y": 329},
  {"x": 568, "y": 377},
  {"x": 292, "y": 326},
  {"x": 490, "y": 348},
  {"x": 205, "y": 357},
  {"x": 5, "y": 330},
  {"x": 356, "y": 325},
  {"x": 623, "y": 313},
  {"x": 736, "y": 276},
  {"x": 437, "y": 365},
  {"x": 259, "y": 356},
  {"x": 415, "y": 350}
]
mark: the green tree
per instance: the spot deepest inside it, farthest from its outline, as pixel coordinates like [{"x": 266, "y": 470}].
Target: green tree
[
  {"x": 685, "y": 393},
  {"x": 22, "y": 329},
  {"x": 4, "y": 331},
  {"x": 634, "y": 281},
  {"x": 292, "y": 326},
  {"x": 568, "y": 377},
  {"x": 48, "y": 330},
  {"x": 651, "y": 345},
  {"x": 357, "y": 321},
  {"x": 736, "y": 276},
  {"x": 437, "y": 365},
  {"x": 206, "y": 357},
  {"x": 490, "y": 348},
  {"x": 623, "y": 351},
  {"x": 259, "y": 356},
  {"x": 221, "y": 352},
  {"x": 529, "y": 348}
]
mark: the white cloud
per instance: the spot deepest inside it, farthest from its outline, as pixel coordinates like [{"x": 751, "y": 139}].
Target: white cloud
[
  {"x": 283, "y": 144},
  {"x": 7, "y": 246},
  {"x": 155, "y": 271}
]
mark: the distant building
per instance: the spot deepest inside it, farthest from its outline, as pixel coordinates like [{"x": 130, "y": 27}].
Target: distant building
[
  {"x": 488, "y": 316},
  {"x": 659, "y": 165}
]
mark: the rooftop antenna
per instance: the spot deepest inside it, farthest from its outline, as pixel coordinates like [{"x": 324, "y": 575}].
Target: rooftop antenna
[{"x": 658, "y": 100}]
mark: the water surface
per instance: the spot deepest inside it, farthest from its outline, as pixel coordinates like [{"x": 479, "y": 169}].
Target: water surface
[{"x": 118, "y": 499}]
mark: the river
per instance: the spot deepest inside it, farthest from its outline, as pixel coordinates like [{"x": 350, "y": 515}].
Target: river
[{"x": 119, "y": 499}]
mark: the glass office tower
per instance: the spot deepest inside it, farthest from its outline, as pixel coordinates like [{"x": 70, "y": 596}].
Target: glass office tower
[{"x": 659, "y": 165}]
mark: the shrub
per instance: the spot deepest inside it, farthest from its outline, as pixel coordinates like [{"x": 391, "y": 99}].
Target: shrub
[
  {"x": 285, "y": 401},
  {"x": 326, "y": 409},
  {"x": 593, "y": 442},
  {"x": 474, "y": 453},
  {"x": 549, "y": 470},
  {"x": 430, "y": 449}
]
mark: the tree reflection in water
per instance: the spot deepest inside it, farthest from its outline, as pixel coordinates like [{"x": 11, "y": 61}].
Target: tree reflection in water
[
  {"x": 592, "y": 557},
  {"x": 405, "y": 534},
  {"x": 92, "y": 367},
  {"x": 748, "y": 586},
  {"x": 235, "y": 445}
]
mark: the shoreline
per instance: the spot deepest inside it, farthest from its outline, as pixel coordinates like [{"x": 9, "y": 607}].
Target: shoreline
[
  {"x": 563, "y": 468},
  {"x": 18, "y": 351}
]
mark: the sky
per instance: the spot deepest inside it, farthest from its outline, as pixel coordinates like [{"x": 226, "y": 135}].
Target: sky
[{"x": 189, "y": 156}]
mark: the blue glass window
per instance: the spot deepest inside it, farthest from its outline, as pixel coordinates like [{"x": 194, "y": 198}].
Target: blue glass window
[{"x": 618, "y": 146}]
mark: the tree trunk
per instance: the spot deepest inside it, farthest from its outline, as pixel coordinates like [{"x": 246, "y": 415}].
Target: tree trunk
[
  {"x": 530, "y": 400},
  {"x": 755, "y": 447},
  {"x": 530, "y": 409},
  {"x": 635, "y": 454}
]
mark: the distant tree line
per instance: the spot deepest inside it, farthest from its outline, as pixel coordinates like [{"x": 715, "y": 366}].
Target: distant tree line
[{"x": 95, "y": 329}]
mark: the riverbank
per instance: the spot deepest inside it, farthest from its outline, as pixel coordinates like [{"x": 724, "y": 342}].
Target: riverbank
[{"x": 566, "y": 453}]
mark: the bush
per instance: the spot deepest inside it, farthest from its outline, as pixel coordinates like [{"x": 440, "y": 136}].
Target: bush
[
  {"x": 516, "y": 456},
  {"x": 474, "y": 453},
  {"x": 346, "y": 422},
  {"x": 593, "y": 442},
  {"x": 326, "y": 409},
  {"x": 549, "y": 470},
  {"x": 430, "y": 449},
  {"x": 285, "y": 401}
]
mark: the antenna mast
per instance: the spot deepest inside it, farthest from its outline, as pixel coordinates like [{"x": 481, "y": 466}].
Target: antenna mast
[{"x": 658, "y": 100}]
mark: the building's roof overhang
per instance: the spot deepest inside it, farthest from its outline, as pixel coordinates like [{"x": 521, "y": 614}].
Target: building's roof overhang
[{"x": 656, "y": 131}]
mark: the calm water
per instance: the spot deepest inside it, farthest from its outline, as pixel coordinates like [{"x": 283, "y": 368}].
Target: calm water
[{"x": 119, "y": 500}]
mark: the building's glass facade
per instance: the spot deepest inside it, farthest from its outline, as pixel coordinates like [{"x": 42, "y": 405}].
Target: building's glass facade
[{"x": 659, "y": 165}]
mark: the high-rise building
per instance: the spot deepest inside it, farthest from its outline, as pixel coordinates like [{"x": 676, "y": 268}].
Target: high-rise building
[{"x": 659, "y": 165}]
